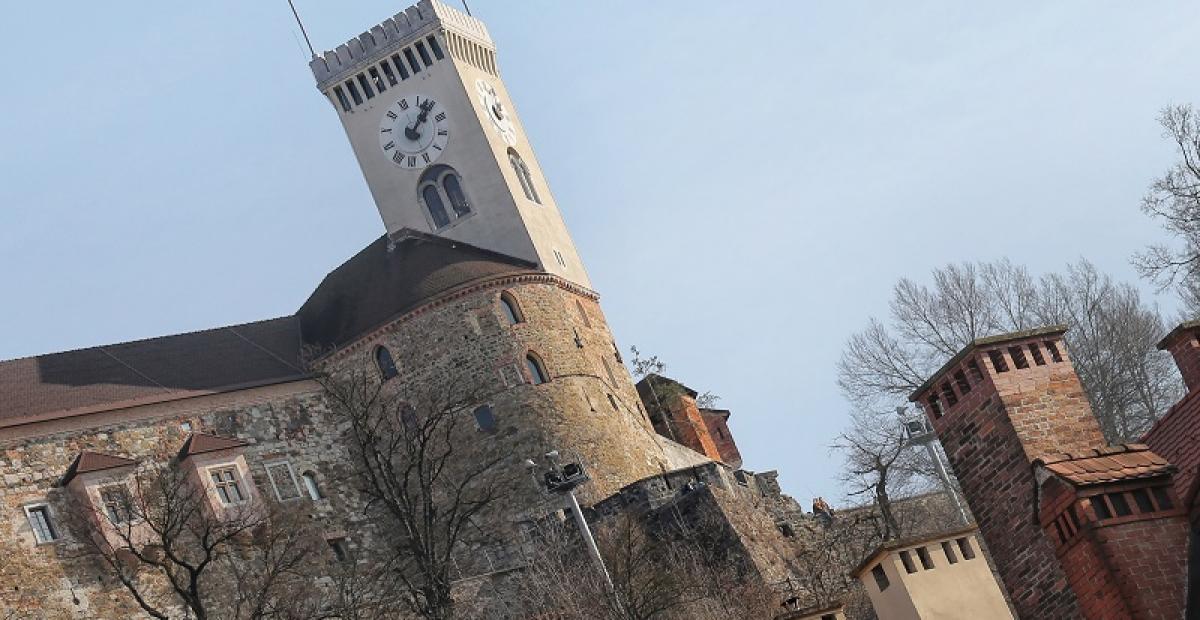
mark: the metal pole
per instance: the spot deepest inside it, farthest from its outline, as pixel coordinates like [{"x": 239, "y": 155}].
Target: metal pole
[
  {"x": 941, "y": 471},
  {"x": 587, "y": 538}
]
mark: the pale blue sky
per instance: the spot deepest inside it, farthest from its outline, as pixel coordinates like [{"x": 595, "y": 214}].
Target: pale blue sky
[{"x": 745, "y": 181}]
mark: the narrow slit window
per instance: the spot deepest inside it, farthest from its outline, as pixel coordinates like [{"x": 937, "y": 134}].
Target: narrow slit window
[
  {"x": 612, "y": 401},
  {"x": 948, "y": 549},
  {"x": 512, "y": 311},
  {"x": 399, "y": 64},
  {"x": 353, "y": 90},
  {"x": 1052, "y": 348},
  {"x": 583, "y": 314},
  {"x": 998, "y": 361},
  {"x": 424, "y": 54},
  {"x": 612, "y": 378},
  {"x": 387, "y": 72},
  {"x": 412, "y": 61},
  {"x": 948, "y": 392},
  {"x": 1162, "y": 498},
  {"x": 385, "y": 363},
  {"x": 1018, "y": 357},
  {"x": 524, "y": 176},
  {"x": 935, "y": 405},
  {"x": 435, "y": 47},
  {"x": 376, "y": 79},
  {"x": 485, "y": 419},
  {"x": 881, "y": 578},
  {"x": 1037, "y": 354},
  {"x": 454, "y": 191},
  {"x": 43, "y": 527},
  {"x": 964, "y": 545},
  {"x": 537, "y": 372},
  {"x": 435, "y": 206},
  {"x": 366, "y": 86},
  {"x": 341, "y": 97},
  {"x": 909, "y": 565},
  {"x": 923, "y": 555},
  {"x": 960, "y": 380},
  {"x": 976, "y": 373}
]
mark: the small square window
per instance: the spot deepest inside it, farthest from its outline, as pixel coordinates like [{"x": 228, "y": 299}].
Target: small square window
[{"x": 44, "y": 530}]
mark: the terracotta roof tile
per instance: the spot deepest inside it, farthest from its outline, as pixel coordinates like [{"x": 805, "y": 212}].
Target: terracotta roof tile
[
  {"x": 200, "y": 443},
  {"x": 1108, "y": 464},
  {"x": 88, "y": 462}
]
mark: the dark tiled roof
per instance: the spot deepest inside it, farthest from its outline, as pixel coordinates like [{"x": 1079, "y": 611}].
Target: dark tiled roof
[
  {"x": 379, "y": 283},
  {"x": 1176, "y": 436},
  {"x": 88, "y": 462},
  {"x": 1108, "y": 464},
  {"x": 150, "y": 370},
  {"x": 656, "y": 383},
  {"x": 200, "y": 443}
]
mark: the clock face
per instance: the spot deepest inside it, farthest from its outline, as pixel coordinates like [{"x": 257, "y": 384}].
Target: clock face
[
  {"x": 496, "y": 112},
  {"x": 413, "y": 131}
]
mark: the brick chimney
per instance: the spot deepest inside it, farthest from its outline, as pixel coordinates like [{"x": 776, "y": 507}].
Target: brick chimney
[
  {"x": 1184, "y": 344},
  {"x": 674, "y": 414},
  {"x": 999, "y": 405}
]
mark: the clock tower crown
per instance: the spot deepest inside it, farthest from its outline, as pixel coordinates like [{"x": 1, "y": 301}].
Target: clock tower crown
[{"x": 438, "y": 139}]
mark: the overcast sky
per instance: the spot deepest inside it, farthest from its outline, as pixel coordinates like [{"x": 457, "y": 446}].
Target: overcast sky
[{"x": 745, "y": 181}]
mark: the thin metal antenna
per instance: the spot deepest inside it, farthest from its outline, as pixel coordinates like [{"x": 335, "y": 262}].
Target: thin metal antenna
[
  {"x": 466, "y": 7},
  {"x": 302, "y": 30}
]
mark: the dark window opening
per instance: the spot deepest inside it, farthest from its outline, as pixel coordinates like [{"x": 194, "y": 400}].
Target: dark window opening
[
  {"x": 998, "y": 361},
  {"x": 960, "y": 380},
  {"x": 340, "y": 551},
  {"x": 976, "y": 373},
  {"x": 948, "y": 549},
  {"x": 1037, "y": 354},
  {"x": 454, "y": 191},
  {"x": 787, "y": 530},
  {"x": 1142, "y": 499},
  {"x": 354, "y": 92},
  {"x": 1101, "y": 508},
  {"x": 948, "y": 392},
  {"x": 537, "y": 373},
  {"x": 399, "y": 64},
  {"x": 424, "y": 54},
  {"x": 1062, "y": 536},
  {"x": 366, "y": 86},
  {"x": 1052, "y": 349},
  {"x": 437, "y": 209},
  {"x": 923, "y": 555},
  {"x": 1073, "y": 514},
  {"x": 1120, "y": 504},
  {"x": 512, "y": 311},
  {"x": 1018, "y": 357},
  {"x": 387, "y": 72},
  {"x": 412, "y": 61},
  {"x": 436, "y": 47},
  {"x": 613, "y": 402},
  {"x": 385, "y": 363},
  {"x": 377, "y": 80},
  {"x": 964, "y": 545},
  {"x": 341, "y": 97},
  {"x": 485, "y": 419},
  {"x": 881, "y": 578},
  {"x": 906, "y": 559},
  {"x": 1162, "y": 498},
  {"x": 935, "y": 405}
]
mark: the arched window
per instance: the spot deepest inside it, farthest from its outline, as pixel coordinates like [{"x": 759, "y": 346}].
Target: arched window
[
  {"x": 310, "y": 485},
  {"x": 442, "y": 192},
  {"x": 523, "y": 175},
  {"x": 387, "y": 366},
  {"x": 537, "y": 372},
  {"x": 512, "y": 311}
]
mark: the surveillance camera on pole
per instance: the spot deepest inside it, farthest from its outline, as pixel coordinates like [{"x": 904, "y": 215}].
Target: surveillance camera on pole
[
  {"x": 919, "y": 432},
  {"x": 563, "y": 480}
]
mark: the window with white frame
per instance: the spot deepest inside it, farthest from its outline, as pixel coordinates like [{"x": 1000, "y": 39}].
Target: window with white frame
[
  {"x": 283, "y": 481},
  {"x": 228, "y": 485},
  {"x": 42, "y": 523}
]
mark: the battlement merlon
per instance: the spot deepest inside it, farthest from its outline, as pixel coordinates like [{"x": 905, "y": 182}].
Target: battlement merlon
[{"x": 403, "y": 28}]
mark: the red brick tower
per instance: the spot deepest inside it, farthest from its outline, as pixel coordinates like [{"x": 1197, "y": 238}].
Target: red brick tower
[{"x": 998, "y": 406}]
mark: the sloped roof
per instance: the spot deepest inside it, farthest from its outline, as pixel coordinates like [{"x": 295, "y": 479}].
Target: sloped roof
[
  {"x": 201, "y": 443},
  {"x": 390, "y": 277},
  {"x": 151, "y": 370},
  {"x": 1108, "y": 464},
  {"x": 88, "y": 462},
  {"x": 1176, "y": 436}
]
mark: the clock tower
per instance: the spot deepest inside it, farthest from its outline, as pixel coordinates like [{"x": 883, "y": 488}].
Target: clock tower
[{"x": 438, "y": 139}]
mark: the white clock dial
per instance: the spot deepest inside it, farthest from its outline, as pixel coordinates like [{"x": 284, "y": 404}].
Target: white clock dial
[
  {"x": 496, "y": 112},
  {"x": 413, "y": 131}
]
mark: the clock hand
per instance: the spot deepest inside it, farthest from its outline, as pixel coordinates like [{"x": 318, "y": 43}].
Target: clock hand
[{"x": 411, "y": 132}]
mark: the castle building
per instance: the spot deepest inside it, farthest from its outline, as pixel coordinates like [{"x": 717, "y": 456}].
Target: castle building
[
  {"x": 476, "y": 277},
  {"x": 1077, "y": 528}
]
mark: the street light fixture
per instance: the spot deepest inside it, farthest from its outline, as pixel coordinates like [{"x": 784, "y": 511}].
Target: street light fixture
[
  {"x": 563, "y": 480},
  {"x": 918, "y": 431}
]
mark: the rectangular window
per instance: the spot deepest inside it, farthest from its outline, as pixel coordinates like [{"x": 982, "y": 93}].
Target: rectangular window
[
  {"x": 926, "y": 561},
  {"x": 366, "y": 87},
  {"x": 353, "y": 90},
  {"x": 964, "y": 545},
  {"x": 998, "y": 361},
  {"x": 881, "y": 578},
  {"x": 387, "y": 72},
  {"x": 412, "y": 61},
  {"x": 1162, "y": 498},
  {"x": 433, "y": 45},
  {"x": 976, "y": 373},
  {"x": 424, "y": 54},
  {"x": 948, "y": 549},
  {"x": 906, "y": 559},
  {"x": 1052, "y": 349},
  {"x": 399, "y": 64},
  {"x": 377, "y": 80},
  {"x": 345, "y": 103},
  {"x": 1101, "y": 507},
  {"x": 485, "y": 419},
  {"x": 1018, "y": 357},
  {"x": 228, "y": 485},
  {"x": 283, "y": 480},
  {"x": 43, "y": 526},
  {"x": 1120, "y": 504},
  {"x": 1142, "y": 499},
  {"x": 1037, "y": 354},
  {"x": 116, "y": 504}
]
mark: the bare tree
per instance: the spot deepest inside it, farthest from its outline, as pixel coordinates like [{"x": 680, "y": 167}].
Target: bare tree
[
  {"x": 642, "y": 365},
  {"x": 1112, "y": 337},
  {"x": 879, "y": 465},
  {"x": 160, "y": 537},
  {"x": 432, "y": 495},
  {"x": 1174, "y": 201}
]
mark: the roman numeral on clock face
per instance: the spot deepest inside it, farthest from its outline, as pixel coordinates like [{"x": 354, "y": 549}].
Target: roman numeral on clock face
[
  {"x": 425, "y": 156},
  {"x": 398, "y": 157},
  {"x": 389, "y": 146},
  {"x": 441, "y": 116},
  {"x": 412, "y": 160}
]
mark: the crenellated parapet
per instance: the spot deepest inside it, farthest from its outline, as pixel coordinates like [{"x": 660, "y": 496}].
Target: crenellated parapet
[{"x": 404, "y": 28}]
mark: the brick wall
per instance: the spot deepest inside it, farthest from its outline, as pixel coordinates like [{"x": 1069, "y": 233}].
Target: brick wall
[{"x": 717, "y": 422}]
